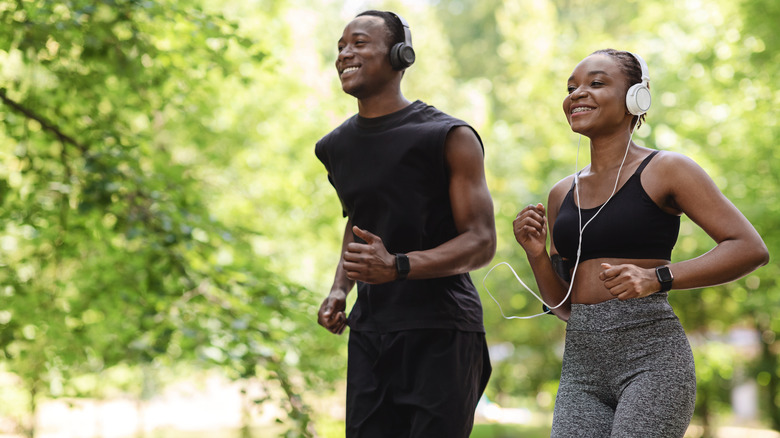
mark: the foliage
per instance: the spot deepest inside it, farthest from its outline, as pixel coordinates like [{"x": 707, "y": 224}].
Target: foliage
[
  {"x": 506, "y": 431},
  {"x": 162, "y": 202},
  {"x": 113, "y": 253}
]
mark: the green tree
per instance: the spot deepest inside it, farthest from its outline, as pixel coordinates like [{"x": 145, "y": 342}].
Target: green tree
[
  {"x": 162, "y": 203},
  {"x": 115, "y": 251}
]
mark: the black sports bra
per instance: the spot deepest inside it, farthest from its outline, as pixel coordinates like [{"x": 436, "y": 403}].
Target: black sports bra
[{"x": 630, "y": 226}]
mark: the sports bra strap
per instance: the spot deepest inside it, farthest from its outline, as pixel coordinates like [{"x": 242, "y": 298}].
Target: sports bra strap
[
  {"x": 574, "y": 181},
  {"x": 636, "y": 172},
  {"x": 644, "y": 162}
]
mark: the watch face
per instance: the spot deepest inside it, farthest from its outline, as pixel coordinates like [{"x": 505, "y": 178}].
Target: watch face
[
  {"x": 402, "y": 264},
  {"x": 664, "y": 274}
]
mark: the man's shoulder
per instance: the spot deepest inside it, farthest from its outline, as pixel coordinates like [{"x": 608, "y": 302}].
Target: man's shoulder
[
  {"x": 432, "y": 113},
  {"x": 436, "y": 121},
  {"x": 345, "y": 127}
]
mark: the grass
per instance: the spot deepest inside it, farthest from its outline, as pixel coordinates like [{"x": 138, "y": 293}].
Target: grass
[
  {"x": 508, "y": 431},
  {"x": 263, "y": 432},
  {"x": 337, "y": 430}
]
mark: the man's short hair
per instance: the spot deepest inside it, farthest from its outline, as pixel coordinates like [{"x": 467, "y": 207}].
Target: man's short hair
[{"x": 395, "y": 30}]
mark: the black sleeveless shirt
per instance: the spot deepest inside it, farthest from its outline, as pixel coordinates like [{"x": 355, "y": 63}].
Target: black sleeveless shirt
[
  {"x": 630, "y": 226},
  {"x": 390, "y": 174}
]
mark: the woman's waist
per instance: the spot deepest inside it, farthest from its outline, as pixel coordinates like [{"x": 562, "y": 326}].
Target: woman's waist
[
  {"x": 615, "y": 314},
  {"x": 590, "y": 289}
]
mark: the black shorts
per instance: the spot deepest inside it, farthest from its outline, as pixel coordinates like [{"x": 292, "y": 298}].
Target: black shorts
[{"x": 415, "y": 383}]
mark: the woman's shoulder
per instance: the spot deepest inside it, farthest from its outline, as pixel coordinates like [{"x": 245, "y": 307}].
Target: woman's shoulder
[
  {"x": 672, "y": 176},
  {"x": 669, "y": 165},
  {"x": 563, "y": 186},
  {"x": 671, "y": 158},
  {"x": 558, "y": 192}
]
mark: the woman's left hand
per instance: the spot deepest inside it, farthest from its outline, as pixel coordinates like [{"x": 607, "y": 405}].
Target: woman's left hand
[{"x": 625, "y": 282}]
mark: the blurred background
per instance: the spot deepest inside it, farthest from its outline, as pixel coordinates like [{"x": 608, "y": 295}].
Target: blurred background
[{"x": 167, "y": 234}]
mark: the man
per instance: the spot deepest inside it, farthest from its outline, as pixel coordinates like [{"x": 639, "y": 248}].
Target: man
[{"x": 412, "y": 184}]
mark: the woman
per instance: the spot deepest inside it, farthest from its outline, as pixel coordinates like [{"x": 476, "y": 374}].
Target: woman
[{"x": 627, "y": 368}]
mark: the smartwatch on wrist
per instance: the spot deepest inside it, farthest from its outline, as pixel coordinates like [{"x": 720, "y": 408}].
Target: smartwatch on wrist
[
  {"x": 665, "y": 277},
  {"x": 402, "y": 266}
]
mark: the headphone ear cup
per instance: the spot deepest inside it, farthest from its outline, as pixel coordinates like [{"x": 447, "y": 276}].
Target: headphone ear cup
[
  {"x": 395, "y": 60},
  {"x": 401, "y": 56},
  {"x": 638, "y": 99}
]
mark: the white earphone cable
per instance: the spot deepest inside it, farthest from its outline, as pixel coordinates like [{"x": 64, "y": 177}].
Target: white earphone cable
[{"x": 579, "y": 241}]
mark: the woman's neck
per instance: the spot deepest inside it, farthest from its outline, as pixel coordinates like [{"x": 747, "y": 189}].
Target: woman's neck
[{"x": 608, "y": 152}]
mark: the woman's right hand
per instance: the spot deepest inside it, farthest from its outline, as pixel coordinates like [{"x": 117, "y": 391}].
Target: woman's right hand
[{"x": 530, "y": 228}]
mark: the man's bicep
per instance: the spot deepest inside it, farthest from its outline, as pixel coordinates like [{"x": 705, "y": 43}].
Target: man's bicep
[{"x": 469, "y": 194}]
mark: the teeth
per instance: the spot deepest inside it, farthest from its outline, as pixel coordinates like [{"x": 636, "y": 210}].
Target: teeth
[
  {"x": 581, "y": 109},
  {"x": 348, "y": 69}
]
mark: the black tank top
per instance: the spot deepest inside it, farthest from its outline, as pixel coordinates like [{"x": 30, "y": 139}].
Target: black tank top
[
  {"x": 630, "y": 226},
  {"x": 391, "y": 176}
]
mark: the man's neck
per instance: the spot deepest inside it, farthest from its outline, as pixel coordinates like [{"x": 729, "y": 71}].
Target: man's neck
[{"x": 381, "y": 105}]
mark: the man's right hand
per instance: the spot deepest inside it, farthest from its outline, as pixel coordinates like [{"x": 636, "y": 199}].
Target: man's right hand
[{"x": 332, "y": 314}]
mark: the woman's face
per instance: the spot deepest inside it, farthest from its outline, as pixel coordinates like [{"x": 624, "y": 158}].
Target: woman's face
[{"x": 596, "y": 103}]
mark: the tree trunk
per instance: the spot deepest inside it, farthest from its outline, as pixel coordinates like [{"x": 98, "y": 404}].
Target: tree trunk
[
  {"x": 768, "y": 363},
  {"x": 704, "y": 412},
  {"x": 30, "y": 432},
  {"x": 246, "y": 414}
]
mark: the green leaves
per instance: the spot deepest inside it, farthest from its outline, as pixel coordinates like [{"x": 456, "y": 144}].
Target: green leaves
[
  {"x": 112, "y": 256},
  {"x": 161, "y": 202}
]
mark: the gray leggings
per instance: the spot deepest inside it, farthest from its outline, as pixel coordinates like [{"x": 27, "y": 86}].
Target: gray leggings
[{"x": 627, "y": 372}]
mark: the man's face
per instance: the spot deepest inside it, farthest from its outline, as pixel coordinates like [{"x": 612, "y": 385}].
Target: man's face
[{"x": 363, "y": 63}]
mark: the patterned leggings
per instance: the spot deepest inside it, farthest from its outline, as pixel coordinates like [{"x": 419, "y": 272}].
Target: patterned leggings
[{"x": 627, "y": 372}]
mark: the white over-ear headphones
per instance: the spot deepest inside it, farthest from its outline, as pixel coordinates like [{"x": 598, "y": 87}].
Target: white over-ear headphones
[{"x": 638, "y": 96}]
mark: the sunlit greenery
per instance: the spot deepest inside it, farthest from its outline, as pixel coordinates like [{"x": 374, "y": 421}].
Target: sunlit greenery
[{"x": 163, "y": 207}]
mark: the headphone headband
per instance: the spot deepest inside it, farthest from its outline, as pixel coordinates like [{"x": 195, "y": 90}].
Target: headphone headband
[
  {"x": 402, "y": 54},
  {"x": 643, "y": 66},
  {"x": 407, "y": 30},
  {"x": 638, "y": 96}
]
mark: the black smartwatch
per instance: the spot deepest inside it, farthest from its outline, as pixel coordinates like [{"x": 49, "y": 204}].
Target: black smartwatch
[
  {"x": 402, "y": 266},
  {"x": 665, "y": 277}
]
